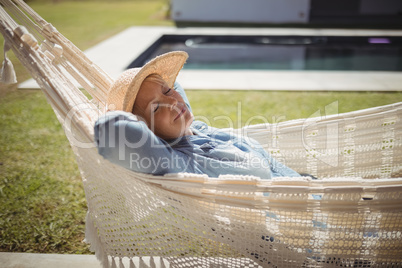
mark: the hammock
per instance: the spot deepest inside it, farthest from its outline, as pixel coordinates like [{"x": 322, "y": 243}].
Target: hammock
[{"x": 350, "y": 217}]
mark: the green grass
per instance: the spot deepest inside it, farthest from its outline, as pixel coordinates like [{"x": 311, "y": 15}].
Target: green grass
[
  {"x": 88, "y": 23},
  {"x": 42, "y": 201},
  {"x": 240, "y": 108}
]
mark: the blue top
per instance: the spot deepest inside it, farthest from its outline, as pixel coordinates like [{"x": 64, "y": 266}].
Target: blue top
[{"x": 125, "y": 141}]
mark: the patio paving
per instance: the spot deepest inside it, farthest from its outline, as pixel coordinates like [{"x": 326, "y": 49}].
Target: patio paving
[{"x": 36, "y": 260}]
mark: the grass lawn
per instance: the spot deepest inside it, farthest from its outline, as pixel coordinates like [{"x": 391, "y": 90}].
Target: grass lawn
[{"x": 42, "y": 201}]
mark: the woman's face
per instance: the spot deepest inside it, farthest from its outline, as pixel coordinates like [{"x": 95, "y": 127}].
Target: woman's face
[{"x": 163, "y": 109}]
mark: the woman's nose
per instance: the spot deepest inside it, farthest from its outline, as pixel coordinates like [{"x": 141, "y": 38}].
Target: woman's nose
[{"x": 171, "y": 102}]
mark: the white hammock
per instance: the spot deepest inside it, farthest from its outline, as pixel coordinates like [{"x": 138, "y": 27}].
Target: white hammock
[{"x": 352, "y": 218}]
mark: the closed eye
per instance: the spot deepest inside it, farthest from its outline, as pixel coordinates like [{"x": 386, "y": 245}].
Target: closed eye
[
  {"x": 168, "y": 91},
  {"x": 156, "y": 107}
]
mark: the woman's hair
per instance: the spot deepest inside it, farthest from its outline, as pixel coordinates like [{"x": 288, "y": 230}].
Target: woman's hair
[{"x": 155, "y": 78}]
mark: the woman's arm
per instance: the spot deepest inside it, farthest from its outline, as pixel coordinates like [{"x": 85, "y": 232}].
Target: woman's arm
[{"x": 125, "y": 141}]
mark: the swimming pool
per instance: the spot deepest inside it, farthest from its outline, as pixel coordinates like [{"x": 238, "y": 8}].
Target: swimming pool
[{"x": 253, "y": 52}]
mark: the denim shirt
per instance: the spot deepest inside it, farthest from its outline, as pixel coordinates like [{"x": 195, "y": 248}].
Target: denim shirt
[{"x": 125, "y": 141}]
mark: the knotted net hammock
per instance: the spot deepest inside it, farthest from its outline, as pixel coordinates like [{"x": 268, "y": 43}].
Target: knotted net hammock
[{"x": 350, "y": 217}]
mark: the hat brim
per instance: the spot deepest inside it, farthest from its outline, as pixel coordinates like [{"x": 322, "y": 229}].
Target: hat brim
[{"x": 167, "y": 66}]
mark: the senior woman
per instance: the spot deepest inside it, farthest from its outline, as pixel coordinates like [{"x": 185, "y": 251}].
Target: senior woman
[{"x": 150, "y": 129}]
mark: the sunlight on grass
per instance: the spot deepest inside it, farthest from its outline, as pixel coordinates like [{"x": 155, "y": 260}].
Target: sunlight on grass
[
  {"x": 88, "y": 23},
  {"x": 254, "y": 107},
  {"x": 41, "y": 193},
  {"x": 42, "y": 201}
]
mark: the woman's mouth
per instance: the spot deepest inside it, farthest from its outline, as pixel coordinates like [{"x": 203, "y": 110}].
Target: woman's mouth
[{"x": 182, "y": 111}]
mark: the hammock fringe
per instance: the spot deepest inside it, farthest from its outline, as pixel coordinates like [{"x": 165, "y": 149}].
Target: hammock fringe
[
  {"x": 7, "y": 73},
  {"x": 92, "y": 238}
]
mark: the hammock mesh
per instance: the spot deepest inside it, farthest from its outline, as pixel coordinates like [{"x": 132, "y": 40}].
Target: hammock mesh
[{"x": 350, "y": 217}]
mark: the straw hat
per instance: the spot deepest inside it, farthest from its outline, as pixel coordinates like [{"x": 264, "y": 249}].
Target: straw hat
[{"x": 124, "y": 90}]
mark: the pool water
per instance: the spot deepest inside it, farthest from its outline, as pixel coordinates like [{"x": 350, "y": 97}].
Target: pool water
[{"x": 281, "y": 52}]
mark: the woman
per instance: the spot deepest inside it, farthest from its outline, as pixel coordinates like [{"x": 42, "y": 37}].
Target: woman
[{"x": 151, "y": 129}]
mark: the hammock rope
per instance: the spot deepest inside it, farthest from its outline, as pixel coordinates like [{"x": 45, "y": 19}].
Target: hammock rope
[{"x": 350, "y": 217}]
